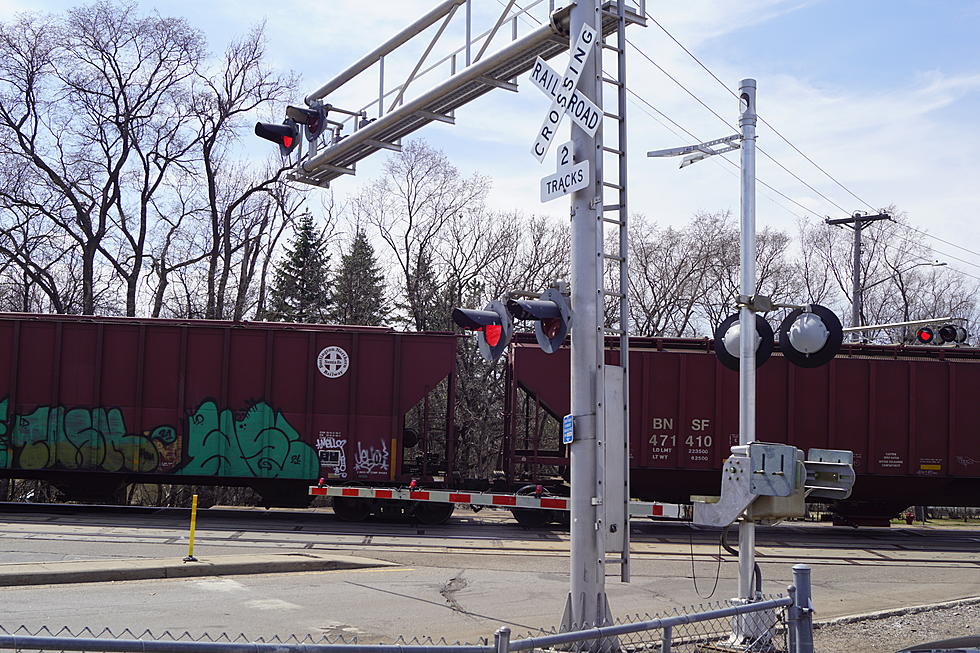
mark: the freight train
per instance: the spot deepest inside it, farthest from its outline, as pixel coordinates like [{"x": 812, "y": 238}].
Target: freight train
[{"x": 93, "y": 404}]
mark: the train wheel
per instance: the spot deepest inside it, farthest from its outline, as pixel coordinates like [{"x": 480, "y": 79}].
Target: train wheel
[
  {"x": 432, "y": 514},
  {"x": 351, "y": 509},
  {"x": 532, "y": 517}
]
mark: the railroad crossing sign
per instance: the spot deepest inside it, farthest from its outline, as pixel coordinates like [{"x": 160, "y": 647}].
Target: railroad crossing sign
[
  {"x": 570, "y": 176},
  {"x": 564, "y": 97}
]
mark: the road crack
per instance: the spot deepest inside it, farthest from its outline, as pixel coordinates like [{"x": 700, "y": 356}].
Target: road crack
[{"x": 449, "y": 590}]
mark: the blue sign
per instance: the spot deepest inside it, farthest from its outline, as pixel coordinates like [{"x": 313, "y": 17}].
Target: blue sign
[{"x": 567, "y": 429}]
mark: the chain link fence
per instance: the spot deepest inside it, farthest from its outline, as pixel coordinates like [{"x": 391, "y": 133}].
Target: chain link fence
[
  {"x": 695, "y": 629},
  {"x": 773, "y": 624}
]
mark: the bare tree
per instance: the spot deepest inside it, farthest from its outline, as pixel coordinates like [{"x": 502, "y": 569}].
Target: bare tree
[
  {"x": 238, "y": 199},
  {"x": 900, "y": 278},
  {"x": 91, "y": 106},
  {"x": 419, "y": 193}
]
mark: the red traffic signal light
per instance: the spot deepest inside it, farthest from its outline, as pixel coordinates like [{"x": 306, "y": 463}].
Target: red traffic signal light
[
  {"x": 493, "y": 327},
  {"x": 552, "y": 313},
  {"x": 941, "y": 335},
  {"x": 926, "y": 336},
  {"x": 314, "y": 119},
  {"x": 286, "y": 135}
]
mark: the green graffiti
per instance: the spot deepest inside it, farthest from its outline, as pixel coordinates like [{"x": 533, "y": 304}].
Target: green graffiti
[
  {"x": 82, "y": 439},
  {"x": 261, "y": 444}
]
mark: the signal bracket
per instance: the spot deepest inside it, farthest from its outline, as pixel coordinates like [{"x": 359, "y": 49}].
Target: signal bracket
[{"x": 756, "y": 303}]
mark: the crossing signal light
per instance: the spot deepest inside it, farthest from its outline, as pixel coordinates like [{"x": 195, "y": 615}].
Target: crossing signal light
[
  {"x": 286, "y": 135},
  {"x": 313, "y": 119},
  {"x": 926, "y": 336},
  {"x": 811, "y": 336},
  {"x": 551, "y": 313},
  {"x": 952, "y": 333},
  {"x": 492, "y": 325},
  {"x": 931, "y": 335}
]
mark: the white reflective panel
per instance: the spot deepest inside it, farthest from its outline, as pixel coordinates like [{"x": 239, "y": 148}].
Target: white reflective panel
[
  {"x": 732, "y": 336},
  {"x": 808, "y": 334}
]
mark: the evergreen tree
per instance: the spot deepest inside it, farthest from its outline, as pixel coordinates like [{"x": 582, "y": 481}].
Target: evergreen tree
[
  {"x": 426, "y": 304},
  {"x": 300, "y": 291},
  {"x": 357, "y": 290}
]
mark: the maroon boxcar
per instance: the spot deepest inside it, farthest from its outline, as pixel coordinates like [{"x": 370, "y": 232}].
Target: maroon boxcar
[
  {"x": 93, "y": 403},
  {"x": 909, "y": 413}
]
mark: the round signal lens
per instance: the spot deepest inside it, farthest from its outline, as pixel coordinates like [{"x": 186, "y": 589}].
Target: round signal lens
[{"x": 492, "y": 333}]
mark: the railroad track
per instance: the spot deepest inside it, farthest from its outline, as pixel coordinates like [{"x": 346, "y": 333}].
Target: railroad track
[{"x": 485, "y": 533}]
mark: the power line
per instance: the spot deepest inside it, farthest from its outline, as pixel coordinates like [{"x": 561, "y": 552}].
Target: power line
[
  {"x": 788, "y": 142},
  {"x": 926, "y": 233},
  {"x": 728, "y": 124},
  {"x": 925, "y": 260},
  {"x": 764, "y": 121},
  {"x": 722, "y": 158},
  {"x": 934, "y": 251},
  {"x": 680, "y": 84}
]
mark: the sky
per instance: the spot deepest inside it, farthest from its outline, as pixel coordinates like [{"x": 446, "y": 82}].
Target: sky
[{"x": 883, "y": 95}]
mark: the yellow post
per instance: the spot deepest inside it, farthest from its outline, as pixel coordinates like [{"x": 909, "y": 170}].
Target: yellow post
[{"x": 190, "y": 551}]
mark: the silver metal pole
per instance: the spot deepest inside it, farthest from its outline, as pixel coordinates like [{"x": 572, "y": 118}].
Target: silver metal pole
[
  {"x": 587, "y": 573},
  {"x": 469, "y": 29},
  {"x": 746, "y": 369},
  {"x": 381, "y": 87},
  {"x": 856, "y": 282}
]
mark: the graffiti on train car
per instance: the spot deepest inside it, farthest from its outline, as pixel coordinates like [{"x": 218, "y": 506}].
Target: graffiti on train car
[
  {"x": 260, "y": 444},
  {"x": 82, "y": 438}
]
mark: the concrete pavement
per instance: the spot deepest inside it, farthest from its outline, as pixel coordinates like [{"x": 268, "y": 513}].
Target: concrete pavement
[{"x": 95, "y": 571}]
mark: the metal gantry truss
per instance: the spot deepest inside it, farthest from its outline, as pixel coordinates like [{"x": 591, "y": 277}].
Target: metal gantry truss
[{"x": 336, "y": 155}]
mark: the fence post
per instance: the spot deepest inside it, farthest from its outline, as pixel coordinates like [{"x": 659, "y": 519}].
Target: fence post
[
  {"x": 501, "y": 639},
  {"x": 792, "y": 619},
  {"x": 804, "y": 608},
  {"x": 665, "y": 637}
]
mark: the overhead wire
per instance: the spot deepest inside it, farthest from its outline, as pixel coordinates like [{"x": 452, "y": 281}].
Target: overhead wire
[
  {"x": 795, "y": 148},
  {"x": 722, "y": 157},
  {"x": 525, "y": 15},
  {"x": 926, "y": 233},
  {"x": 729, "y": 124},
  {"x": 764, "y": 121},
  {"x": 693, "y": 95}
]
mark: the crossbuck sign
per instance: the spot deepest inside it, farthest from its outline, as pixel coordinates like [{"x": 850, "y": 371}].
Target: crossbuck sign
[{"x": 564, "y": 97}]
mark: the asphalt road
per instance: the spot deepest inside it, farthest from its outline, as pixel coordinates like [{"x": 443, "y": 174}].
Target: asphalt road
[{"x": 459, "y": 581}]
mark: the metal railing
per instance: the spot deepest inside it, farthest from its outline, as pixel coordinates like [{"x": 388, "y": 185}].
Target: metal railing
[{"x": 783, "y": 624}]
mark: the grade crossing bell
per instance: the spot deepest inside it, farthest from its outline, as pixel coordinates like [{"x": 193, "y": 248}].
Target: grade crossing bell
[
  {"x": 810, "y": 336},
  {"x": 727, "y": 338}
]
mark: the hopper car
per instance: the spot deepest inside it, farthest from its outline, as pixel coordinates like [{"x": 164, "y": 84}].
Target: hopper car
[{"x": 91, "y": 404}]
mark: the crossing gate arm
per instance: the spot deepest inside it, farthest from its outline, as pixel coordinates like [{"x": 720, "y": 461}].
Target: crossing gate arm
[
  {"x": 637, "y": 508},
  {"x": 470, "y": 83}
]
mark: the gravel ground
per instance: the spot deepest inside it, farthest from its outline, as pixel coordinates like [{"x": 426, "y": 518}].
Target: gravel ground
[{"x": 893, "y": 631}]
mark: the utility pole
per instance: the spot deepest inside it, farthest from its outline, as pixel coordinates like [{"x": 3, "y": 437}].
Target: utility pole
[{"x": 857, "y": 222}]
